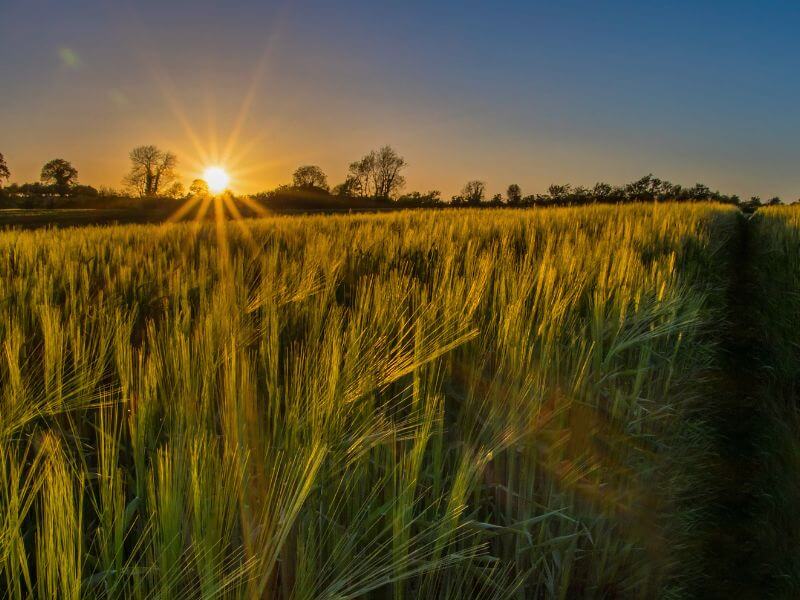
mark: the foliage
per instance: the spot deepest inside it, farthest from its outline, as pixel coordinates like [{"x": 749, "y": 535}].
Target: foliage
[
  {"x": 60, "y": 174},
  {"x": 371, "y": 182},
  {"x": 310, "y": 176},
  {"x": 645, "y": 189},
  {"x": 473, "y": 192},
  {"x": 152, "y": 170},
  {"x": 199, "y": 187},
  {"x": 5, "y": 173},
  {"x": 751, "y": 205},
  {"x": 417, "y": 199},
  {"x": 175, "y": 190},
  {"x": 514, "y": 194},
  {"x": 376, "y": 175}
]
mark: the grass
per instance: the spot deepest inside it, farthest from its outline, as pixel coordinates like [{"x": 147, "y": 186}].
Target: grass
[{"x": 482, "y": 404}]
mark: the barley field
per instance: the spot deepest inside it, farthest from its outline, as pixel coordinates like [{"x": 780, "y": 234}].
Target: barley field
[{"x": 428, "y": 404}]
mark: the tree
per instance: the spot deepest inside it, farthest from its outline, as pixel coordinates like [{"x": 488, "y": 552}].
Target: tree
[
  {"x": 176, "y": 190},
  {"x": 670, "y": 192},
  {"x": 751, "y": 205},
  {"x": 601, "y": 192},
  {"x": 59, "y": 173},
  {"x": 641, "y": 190},
  {"x": 559, "y": 193},
  {"x": 346, "y": 189},
  {"x": 580, "y": 195},
  {"x": 776, "y": 201},
  {"x": 359, "y": 177},
  {"x": 199, "y": 187},
  {"x": 387, "y": 177},
  {"x": 699, "y": 192},
  {"x": 310, "y": 176},
  {"x": 84, "y": 190},
  {"x": 514, "y": 194},
  {"x": 430, "y": 198},
  {"x": 378, "y": 174},
  {"x": 151, "y": 170},
  {"x": 473, "y": 192},
  {"x": 4, "y": 172}
]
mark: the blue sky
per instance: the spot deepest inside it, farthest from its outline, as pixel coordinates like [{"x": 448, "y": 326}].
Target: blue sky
[{"x": 527, "y": 92}]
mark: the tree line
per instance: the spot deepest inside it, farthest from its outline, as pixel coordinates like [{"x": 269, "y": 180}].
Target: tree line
[
  {"x": 152, "y": 174},
  {"x": 375, "y": 179}
]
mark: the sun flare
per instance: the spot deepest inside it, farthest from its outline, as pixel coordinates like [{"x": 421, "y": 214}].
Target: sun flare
[{"x": 217, "y": 179}]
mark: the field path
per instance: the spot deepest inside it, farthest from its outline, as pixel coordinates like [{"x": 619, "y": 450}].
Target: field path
[{"x": 735, "y": 562}]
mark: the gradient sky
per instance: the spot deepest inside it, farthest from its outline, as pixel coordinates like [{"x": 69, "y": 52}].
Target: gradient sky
[{"x": 519, "y": 91}]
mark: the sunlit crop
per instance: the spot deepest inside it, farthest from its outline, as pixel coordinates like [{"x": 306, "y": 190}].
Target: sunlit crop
[{"x": 418, "y": 405}]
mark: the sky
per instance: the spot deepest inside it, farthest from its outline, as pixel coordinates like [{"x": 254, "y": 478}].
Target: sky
[{"x": 522, "y": 92}]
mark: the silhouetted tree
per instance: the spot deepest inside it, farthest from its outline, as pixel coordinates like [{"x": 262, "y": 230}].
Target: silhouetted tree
[
  {"x": 359, "y": 177},
  {"x": 776, "y": 201},
  {"x": 60, "y": 174},
  {"x": 86, "y": 191},
  {"x": 4, "y": 172},
  {"x": 559, "y": 193},
  {"x": 310, "y": 176},
  {"x": 751, "y": 205},
  {"x": 348, "y": 188},
  {"x": 514, "y": 194},
  {"x": 602, "y": 192},
  {"x": 430, "y": 198},
  {"x": 670, "y": 191},
  {"x": 699, "y": 192},
  {"x": 378, "y": 174},
  {"x": 579, "y": 195},
  {"x": 473, "y": 192},
  {"x": 152, "y": 170},
  {"x": 199, "y": 187},
  {"x": 642, "y": 190},
  {"x": 387, "y": 174}
]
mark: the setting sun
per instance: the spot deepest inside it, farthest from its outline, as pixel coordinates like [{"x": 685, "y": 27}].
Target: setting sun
[{"x": 217, "y": 179}]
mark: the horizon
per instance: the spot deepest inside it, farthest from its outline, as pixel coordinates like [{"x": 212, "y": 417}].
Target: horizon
[{"x": 534, "y": 95}]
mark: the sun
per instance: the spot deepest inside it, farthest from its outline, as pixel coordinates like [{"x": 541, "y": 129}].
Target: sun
[{"x": 217, "y": 179}]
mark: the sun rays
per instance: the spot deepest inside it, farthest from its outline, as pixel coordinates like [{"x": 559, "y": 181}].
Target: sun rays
[
  {"x": 220, "y": 173},
  {"x": 223, "y": 162}
]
